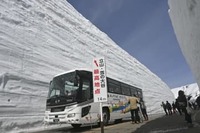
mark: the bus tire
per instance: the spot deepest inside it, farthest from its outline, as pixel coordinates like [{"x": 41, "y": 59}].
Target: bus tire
[
  {"x": 106, "y": 116},
  {"x": 76, "y": 125}
]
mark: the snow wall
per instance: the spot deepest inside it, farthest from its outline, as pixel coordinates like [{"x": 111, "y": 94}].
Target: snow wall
[
  {"x": 185, "y": 17},
  {"x": 39, "y": 39}
]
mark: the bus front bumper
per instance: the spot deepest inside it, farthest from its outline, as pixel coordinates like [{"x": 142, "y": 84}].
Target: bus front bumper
[{"x": 58, "y": 118}]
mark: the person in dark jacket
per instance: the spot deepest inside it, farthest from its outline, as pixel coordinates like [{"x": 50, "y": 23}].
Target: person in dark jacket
[
  {"x": 174, "y": 108},
  {"x": 182, "y": 100},
  {"x": 178, "y": 107},
  {"x": 169, "y": 107},
  {"x": 164, "y": 107},
  {"x": 198, "y": 101},
  {"x": 143, "y": 109}
]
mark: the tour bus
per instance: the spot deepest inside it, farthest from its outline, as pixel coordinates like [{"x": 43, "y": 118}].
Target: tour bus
[{"x": 70, "y": 100}]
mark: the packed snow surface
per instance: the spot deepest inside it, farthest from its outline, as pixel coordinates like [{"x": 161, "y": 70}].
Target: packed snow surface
[{"x": 41, "y": 38}]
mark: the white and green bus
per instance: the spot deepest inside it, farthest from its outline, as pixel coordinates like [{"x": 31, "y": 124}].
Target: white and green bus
[{"x": 70, "y": 99}]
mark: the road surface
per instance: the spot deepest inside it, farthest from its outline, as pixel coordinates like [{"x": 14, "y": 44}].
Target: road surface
[{"x": 165, "y": 124}]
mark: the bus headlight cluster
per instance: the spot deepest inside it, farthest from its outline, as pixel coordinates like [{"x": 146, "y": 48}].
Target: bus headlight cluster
[{"x": 71, "y": 115}]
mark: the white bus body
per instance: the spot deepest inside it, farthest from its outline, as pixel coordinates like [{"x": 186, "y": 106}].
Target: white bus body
[{"x": 70, "y": 100}]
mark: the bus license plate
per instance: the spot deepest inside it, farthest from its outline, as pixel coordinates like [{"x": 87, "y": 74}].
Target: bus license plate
[{"x": 56, "y": 120}]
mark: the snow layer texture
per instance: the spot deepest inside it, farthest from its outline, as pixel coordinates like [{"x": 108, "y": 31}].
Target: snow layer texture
[
  {"x": 185, "y": 17},
  {"x": 41, "y": 38}
]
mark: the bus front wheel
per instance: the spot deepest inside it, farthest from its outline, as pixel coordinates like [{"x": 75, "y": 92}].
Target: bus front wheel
[{"x": 76, "y": 125}]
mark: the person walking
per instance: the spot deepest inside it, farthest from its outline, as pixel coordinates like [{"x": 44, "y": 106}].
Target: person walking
[
  {"x": 143, "y": 109},
  {"x": 174, "y": 108},
  {"x": 182, "y": 100},
  {"x": 164, "y": 107},
  {"x": 178, "y": 107},
  {"x": 134, "y": 109},
  {"x": 169, "y": 107},
  {"x": 198, "y": 101}
]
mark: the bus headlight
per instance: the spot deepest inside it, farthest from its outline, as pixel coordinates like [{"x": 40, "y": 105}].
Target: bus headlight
[{"x": 71, "y": 115}]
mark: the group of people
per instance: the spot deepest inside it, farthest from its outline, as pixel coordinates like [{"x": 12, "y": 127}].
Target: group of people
[
  {"x": 180, "y": 105},
  {"x": 171, "y": 108},
  {"x": 137, "y": 105}
]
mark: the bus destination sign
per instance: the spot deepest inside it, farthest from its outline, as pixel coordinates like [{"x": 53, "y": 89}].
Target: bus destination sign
[{"x": 99, "y": 80}]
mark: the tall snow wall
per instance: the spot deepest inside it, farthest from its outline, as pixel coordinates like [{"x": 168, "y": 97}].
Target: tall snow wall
[
  {"x": 39, "y": 39},
  {"x": 185, "y": 18}
]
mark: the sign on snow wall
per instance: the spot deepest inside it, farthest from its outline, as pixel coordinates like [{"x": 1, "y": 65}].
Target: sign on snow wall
[{"x": 99, "y": 80}]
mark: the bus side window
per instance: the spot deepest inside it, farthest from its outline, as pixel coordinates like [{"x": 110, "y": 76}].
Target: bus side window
[
  {"x": 114, "y": 86},
  {"x": 125, "y": 90},
  {"x": 139, "y": 93},
  {"x": 133, "y": 91},
  {"x": 110, "y": 89}
]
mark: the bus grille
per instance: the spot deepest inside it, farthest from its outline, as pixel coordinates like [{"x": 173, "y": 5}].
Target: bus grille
[{"x": 57, "y": 109}]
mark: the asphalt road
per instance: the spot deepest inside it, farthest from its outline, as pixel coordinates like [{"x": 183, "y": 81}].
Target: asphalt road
[{"x": 165, "y": 124}]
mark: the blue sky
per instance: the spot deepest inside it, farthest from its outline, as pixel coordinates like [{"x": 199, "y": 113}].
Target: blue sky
[{"x": 143, "y": 29}]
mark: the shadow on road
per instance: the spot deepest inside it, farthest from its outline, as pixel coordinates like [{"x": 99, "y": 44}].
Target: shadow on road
[{"x": 170, "y": 124}]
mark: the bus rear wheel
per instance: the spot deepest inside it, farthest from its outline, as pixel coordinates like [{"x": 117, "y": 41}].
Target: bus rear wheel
[{"x": 76, "y": 125}]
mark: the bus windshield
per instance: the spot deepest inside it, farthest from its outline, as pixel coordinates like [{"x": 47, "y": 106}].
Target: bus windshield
[{"x": 64, "y": 86}]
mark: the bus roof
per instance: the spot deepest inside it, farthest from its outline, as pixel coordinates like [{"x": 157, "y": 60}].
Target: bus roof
[{"x": 72, "y": 70}]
